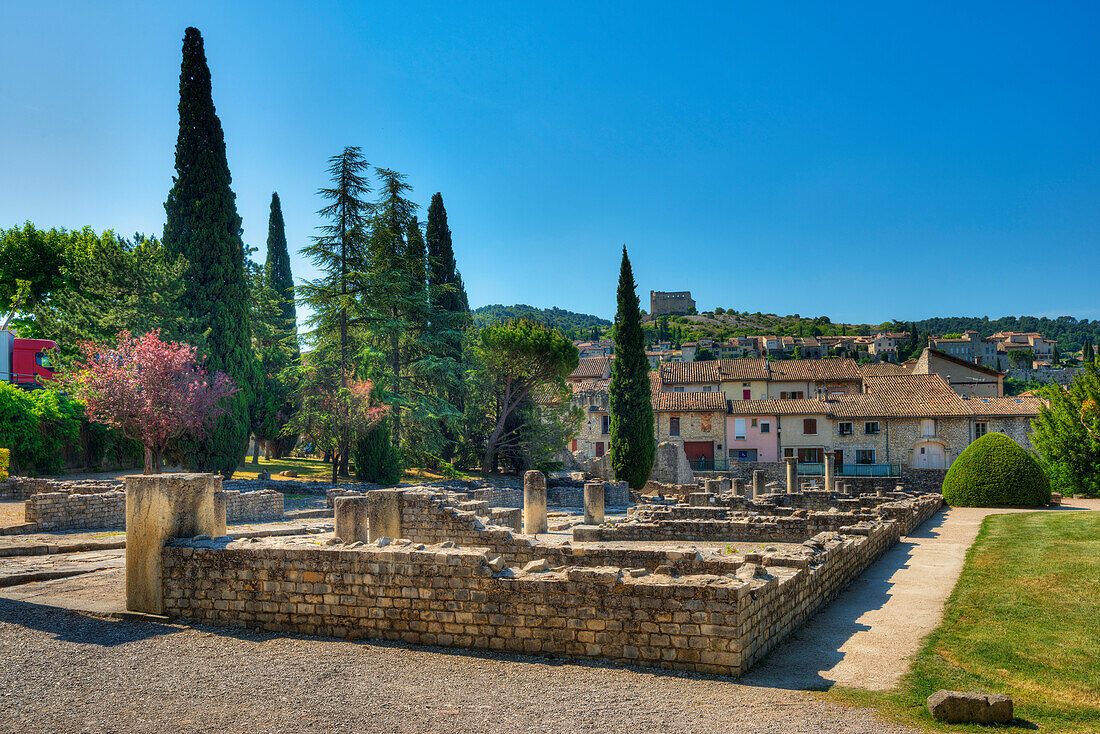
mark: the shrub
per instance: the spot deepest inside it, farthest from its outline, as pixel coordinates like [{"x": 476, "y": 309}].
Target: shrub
[
  {"x": 375, "y": 457},
  {"x": 995, "y": 470},
  {"x": 4, "y": 456},
  {"x": 37, "y": 426}
]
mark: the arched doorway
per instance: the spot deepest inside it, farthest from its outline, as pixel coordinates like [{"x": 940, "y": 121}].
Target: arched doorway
[{"x": 929, "y": 455}]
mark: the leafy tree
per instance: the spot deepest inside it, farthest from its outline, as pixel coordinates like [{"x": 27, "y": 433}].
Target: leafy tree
[
  {"x": 631, "y": 408},
  {"x": 36, "y": 427},
  {"x": 327, "y": 416},
  {"x": 203, "y": 226},
  {"x": 1056, "y": 357},
  {"x": 154, "y": 392},
  {"x": 1067, "y": 434},
  {"x": 1021, "y": 358},
  {"x": 514, "y": 360},
  {"x": 30, "y": 265},
  {"x": 109, "y": 285},
  {"x": 585, "y": 326},
  {"x": 702, "y": 354}
]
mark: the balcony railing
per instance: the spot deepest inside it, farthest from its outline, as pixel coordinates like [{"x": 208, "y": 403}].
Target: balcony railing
[
  {"x": 851, "y": 470},
  {"x": 704, "y": 464}
]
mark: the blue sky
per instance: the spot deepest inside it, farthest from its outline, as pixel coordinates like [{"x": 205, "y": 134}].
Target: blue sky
[{"x": 865, "y": 162}]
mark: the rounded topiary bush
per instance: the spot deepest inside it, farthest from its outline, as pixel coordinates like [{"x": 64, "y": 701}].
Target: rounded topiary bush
[{"x": 995, "y": 470}]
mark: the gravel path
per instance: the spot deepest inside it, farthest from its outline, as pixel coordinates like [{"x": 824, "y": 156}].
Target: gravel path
[{"x": 65, "y": 672}]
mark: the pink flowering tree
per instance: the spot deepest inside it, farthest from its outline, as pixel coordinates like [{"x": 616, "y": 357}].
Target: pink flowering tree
[{"x": 155, "y": 392}]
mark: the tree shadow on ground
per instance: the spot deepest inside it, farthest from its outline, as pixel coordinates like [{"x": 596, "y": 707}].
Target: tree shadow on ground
[{"x": 72, "y": 626}]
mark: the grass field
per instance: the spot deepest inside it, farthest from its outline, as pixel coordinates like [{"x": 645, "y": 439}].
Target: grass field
[
  {"x": 317, "y": 469},
  {"x": 1023, "y": 620}
]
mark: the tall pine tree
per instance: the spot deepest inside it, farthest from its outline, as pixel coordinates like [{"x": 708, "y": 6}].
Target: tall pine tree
[
  {"x": 203, "y": 226},
  {"x": 277, "y": 273},
  {"x": 339, "y": 299},
  {"x": 631, "y": 409}
]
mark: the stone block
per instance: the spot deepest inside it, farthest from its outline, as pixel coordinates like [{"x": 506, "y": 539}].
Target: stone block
[
  {"x": 593, "y": 503},
  {"x": 384, "y": 513},
  {"x": 352, "y": 519},
  {"x": 961, "y": 707},
  {"x": 160, "y": 507}
]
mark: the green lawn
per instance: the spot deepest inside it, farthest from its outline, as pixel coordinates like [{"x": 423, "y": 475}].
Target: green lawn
[
  {"x": 1023, "y": 620},
  {"x": 316, "y": 469}
]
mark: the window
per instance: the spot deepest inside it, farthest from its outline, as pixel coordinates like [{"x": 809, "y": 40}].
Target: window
[
  {"x": 844, "y": 429},
  {"x": 743, "y": 454},
  {"x": 605, "y": 425},
  {"x": 871, "y": 428},
  {"x": 980, "y": 429},
  {"x": 754, "y": 423},
  {"x": 765, "y": 427},
  {"x": 865, "y": 456},
  {"x": 809, "y": 426},
  {"x": 792, "y": 395},
  {"x": 927, "y": 427},
  {"x": 787, "y": 453},
  {"x": 674, "y": 426},
  {"x": 810, "y": 456},
  {"x": 677, "y": 389},
  {"x": 738, "y": 429}
]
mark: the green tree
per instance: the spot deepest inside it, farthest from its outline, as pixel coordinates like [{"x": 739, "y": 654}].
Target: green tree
[
  {"x": 703, "y": 355},
  {"x": 631, "y": 408},
  {"x": 1067, "y": 434},
  {"x": 339, "y": 299},
  {"x": 109, "y": 285},
  {"x": 449, "y": 314},
  {"x": 514, "y": 360},
  {"x": 1021, "y": 358},
  {"x": 203, "y": 226},
  {"x": 1088, "y": 356},
  {"x": 277, "y": 272},
  {"x": 375, "y": 457},
  {"x": 1056, "y": 357},
  {"x": 30, "y": 266}
]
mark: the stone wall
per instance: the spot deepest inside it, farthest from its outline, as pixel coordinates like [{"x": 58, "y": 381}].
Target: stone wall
[
  {"x": 703, "y": 622},
  {"x": 63, "y": 511},
  {"x": 260, "y": 506},
  {"x": 71, "y": 511},
  {"x": 21, "y": 488}
]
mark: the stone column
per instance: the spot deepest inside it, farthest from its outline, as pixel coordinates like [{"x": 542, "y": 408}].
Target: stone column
[
  {"x": 160, "y": 507},
  {"x": 352, "y": 514},
  {"x": 792, "y": 475},
  {"x": 712, "y": 486},
  {"x": 757, "y": 483},
  {"x": 384, "y": 514},
  {"x": 593, "y": 503},
  {"x": 829, "y": 458},
  {"x": 724, "y": 485},
  {"x": 534, "y": 503},
  {"x": 739, "y": 487}
]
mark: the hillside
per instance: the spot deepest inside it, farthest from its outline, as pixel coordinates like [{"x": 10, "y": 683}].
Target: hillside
[{"x": 571, "y": 322}]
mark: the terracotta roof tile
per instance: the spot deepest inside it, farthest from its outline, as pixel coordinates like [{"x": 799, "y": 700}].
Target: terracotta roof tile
[
  {"x": 690, "y": 373},
  {"x": 677, "y": 402},
  {"x": 1021, "y": 405},
  {"x": 809, "y": 406},
  {"x": 814, "y": 370},
  {"x": 915, "y": 396},
  {"x": 591, "y": 367},
  {"x": 883, "y": 369},
  {"x": 743, "y": 369}
]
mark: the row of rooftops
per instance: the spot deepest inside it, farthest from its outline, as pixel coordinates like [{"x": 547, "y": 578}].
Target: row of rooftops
[{"x": 893, "y": 392}]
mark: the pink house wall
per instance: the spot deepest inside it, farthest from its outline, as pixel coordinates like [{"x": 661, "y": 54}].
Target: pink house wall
[{"x": 764, "y": 443}]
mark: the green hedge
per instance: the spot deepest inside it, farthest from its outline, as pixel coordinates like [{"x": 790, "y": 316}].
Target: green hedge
[
  {"x": 5, "y": 456},
  {"x": 995, "y": 470}
]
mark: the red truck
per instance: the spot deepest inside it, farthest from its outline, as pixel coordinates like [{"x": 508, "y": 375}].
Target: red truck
[{"x": 26, "y": 363}]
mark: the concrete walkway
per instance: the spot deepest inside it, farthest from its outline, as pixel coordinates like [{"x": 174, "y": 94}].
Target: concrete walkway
[{"x": 865, "y": 637}]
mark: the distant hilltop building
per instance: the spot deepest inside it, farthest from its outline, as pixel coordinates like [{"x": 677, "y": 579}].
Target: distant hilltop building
[{"x": 675, "y": 303}]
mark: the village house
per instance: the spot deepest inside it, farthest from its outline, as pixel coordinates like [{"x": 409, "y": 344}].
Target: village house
[{"x": 810, "y": 378}]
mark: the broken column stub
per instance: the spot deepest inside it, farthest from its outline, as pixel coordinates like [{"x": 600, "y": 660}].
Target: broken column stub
[
  {"x": 352, "y": 519},
  {"x": 792, "y": 475},
  {"x": 534, "y": 502},
  {"x": 829, "y": 459},
  {"x": 593, "y": 503},
  {"x": 160, "y": 507},
  {"x": 384, "y": 513},
  {"x": 739, "y": 487},
  {"x": 757, "y": 483}
]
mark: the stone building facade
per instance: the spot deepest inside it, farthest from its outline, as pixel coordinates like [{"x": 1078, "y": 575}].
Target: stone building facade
[{"x": 662, "y": 303}]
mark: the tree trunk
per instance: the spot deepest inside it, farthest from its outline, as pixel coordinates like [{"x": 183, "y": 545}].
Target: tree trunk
[
  {"x": 256, "y": 451},
  {"x": 150, "y": 465},
  {"x": 158, "y": 466},
  {"x": 335, "y": 467}
]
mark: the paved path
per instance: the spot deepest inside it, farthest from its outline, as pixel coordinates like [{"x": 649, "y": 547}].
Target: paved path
[{"x": 865, "y": 637}]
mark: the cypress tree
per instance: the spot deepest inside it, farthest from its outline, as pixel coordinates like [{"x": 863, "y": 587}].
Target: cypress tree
[
  {"x": 631, "y": 409},
  {"x": 449, "y": 316},
  {"x": 277, "y": 271},
  {"x": 204, "y": 227}
]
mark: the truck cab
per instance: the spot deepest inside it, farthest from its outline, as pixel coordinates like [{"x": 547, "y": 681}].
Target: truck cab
[{"x": 27, "y": 363}]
